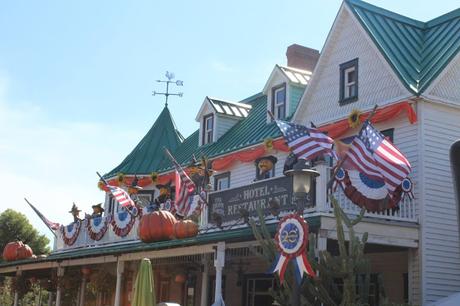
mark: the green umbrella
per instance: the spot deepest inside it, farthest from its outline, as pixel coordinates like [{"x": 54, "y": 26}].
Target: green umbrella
[{"x": 143, "y": 291}]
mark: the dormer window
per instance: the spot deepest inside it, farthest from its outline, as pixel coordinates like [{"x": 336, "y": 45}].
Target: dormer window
[
  {"x": 349, "y": 82},
  {"x": 279, "y": 101},
  {"x": 208, "y": 129}
]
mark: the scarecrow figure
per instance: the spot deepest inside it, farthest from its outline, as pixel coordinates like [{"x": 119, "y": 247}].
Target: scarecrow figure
[
  {"x": 97, "y": 210},
  {"x": 265, "y": 166},
  {"x": 75, "y": 213},
  {"x": 165, "y": 192},
  {"x": 200, "y": 172}
]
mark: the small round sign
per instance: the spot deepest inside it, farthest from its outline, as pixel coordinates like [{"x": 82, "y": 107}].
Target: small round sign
[{"x": 291, "y": 237}]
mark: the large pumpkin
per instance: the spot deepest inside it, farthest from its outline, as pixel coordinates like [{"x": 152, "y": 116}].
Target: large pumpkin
[
  {"x": 157, "y": 226},
  {"x": 16, "y": 250},
  {"x": 185, "y": 228}
]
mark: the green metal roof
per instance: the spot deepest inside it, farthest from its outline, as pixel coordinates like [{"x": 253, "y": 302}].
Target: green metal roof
[
  {"x": 249, "y": 131},
  {"x": 149, "y": 153},
  {"x": 234, "y": 109},
  {"x": 417, "y": 51},
  {"x": 241, "y": 234}
]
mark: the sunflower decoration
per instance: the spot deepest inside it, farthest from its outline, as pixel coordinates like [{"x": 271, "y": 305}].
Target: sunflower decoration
[
  {"x": 120, "y": 177},
  {"x": 101, "y": 185},
  {"x": 353, "y": 118},
  {"x": 154, "y": 177},
  {"x": 268, "y": 144}
]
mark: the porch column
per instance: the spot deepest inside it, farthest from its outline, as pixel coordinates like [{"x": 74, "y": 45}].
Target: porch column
[
  {"x": 321, "y": 185},
  {"x": 321, "y": 244},
  {"x": 120, "y": 271},
  {"x": 204, "y": 283},
  {"x": 16, "y": 294},
  {"x": 82, "y": 291},
  {"x": 219, "y": 263},
  {"x": 50, "y": 298},
  {"x": 60, "y": 273}
]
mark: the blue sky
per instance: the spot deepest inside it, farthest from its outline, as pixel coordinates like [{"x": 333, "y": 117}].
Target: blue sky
[{"x": 76, "y": 79}]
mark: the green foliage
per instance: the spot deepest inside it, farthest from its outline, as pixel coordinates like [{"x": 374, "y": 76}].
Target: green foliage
[
  {"x": 15, "y": 225},
  {"x": 336, "y": 283}
]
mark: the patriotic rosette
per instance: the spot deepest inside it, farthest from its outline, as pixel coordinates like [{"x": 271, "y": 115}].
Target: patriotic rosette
[
  {"x": 367, "y": 192},
  {"x": 70, "y": 232},
  {"x": 291, "y": 240},
  {"x": 97, "y": 226},
  {"x": 123, "y": 222}
]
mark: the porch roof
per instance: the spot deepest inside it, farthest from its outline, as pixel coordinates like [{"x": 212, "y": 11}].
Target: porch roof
[{"x": 235, "y": 235}]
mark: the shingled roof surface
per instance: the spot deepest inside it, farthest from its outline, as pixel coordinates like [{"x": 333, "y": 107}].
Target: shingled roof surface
[
  {"x": 149, "y": 153},
  {"x": 417, "y": 51}
]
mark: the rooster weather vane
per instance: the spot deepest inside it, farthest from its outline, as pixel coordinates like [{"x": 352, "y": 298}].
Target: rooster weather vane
[{"x": 170, "y": 76}]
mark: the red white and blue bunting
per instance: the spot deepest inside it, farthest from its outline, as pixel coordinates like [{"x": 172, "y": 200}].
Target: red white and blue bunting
[
  {"x": 97, "y": 226},
  {"x": 123, "y": 221},
  {"x": 291, "y": 240},
  {"x": 368, "y": 192},
  {"x": 70, "y": 232}
]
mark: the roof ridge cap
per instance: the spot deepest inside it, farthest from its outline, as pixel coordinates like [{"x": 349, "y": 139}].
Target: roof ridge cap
[
  {"x": 443, "y": 18},
  {"x": 387, "y": 13}
]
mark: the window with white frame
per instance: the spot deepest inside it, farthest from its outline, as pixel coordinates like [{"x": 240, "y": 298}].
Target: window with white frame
[
  {"x": 279, "y": 101},
  {"x": 208, "y": 129},
  {"x": 222, "y": 181},
  {"x": 349, "y": 81}
]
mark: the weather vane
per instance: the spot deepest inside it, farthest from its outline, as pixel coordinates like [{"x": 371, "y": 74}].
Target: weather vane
[{"x": 170, "y": 77}]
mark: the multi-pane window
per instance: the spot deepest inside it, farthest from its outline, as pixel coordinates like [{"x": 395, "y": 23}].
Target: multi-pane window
[
  {"x": 349, "y": 81},
  {"x": 222, "y": 181},
  {"x": 279, "y": 102},
  {"x": 257, "y": 290},
  {"x": 208, "y": 128}
]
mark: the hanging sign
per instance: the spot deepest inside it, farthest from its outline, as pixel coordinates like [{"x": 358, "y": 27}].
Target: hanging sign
[{"x": 291, "y": 240}]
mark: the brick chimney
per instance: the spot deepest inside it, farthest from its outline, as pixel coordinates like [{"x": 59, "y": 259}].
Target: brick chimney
[{"x": 302, "y": 57}]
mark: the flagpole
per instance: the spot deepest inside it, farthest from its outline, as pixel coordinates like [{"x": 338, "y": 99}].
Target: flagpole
[
  {"x": 38, "y": 213},
  {"x": 340, "y": 163}
]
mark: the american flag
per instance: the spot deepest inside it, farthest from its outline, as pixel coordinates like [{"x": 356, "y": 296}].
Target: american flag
[
  {"x": 121, "y": 196},
  {"x": 185, "y": 188},
  {"x": 378, "y": 158},
  {"x": 51, "y": 225},
  {"x": 306, "y": 143}
]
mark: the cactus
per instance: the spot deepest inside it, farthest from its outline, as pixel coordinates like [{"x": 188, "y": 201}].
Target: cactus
[{"x": 349, "y": 268}]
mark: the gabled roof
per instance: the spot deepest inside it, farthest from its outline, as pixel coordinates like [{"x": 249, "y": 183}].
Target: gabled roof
[
  {"x": 247, "y": 132},
  {"x": 296, "y": 76},
  {"x": 149, "y": 153},
  {"x": 417, "y": 51},
  {"x": 235, "y": 109}
]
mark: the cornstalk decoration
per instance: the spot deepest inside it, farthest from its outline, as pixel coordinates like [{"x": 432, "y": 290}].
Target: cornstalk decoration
[{"x": 333, "y": 272}]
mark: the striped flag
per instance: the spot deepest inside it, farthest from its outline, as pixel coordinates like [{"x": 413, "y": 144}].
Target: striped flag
[
  {"x": 306, "y": 143},
  {"x": 121, "y": 196},
  {"x": 185, "y": 188},
  {"x": 375, "y": 156},
  {"x": 51, "y": 225}
]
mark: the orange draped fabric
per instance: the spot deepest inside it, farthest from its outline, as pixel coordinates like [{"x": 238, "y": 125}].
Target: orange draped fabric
[{"x": 337, "y": 129}]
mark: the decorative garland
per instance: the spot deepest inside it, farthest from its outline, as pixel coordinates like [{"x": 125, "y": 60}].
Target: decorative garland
[
  {"x": 291, "y": 240},
  {"x": 123, "y": 222},
  {"x": 70, "y": 232},
  {"x": 366, "y": 192},
  {"x": 97, "y": 226}
]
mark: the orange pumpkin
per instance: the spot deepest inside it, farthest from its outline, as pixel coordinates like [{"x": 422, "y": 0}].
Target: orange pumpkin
[
  {"x": 16, "y": 250},
  {"x": 185, "y": 228},
  {"x": 157, "y": 226}
]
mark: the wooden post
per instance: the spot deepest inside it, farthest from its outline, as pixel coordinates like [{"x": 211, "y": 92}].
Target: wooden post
[
  {"x": 16, "y": 294},
  {"x": 219, "y": 263},
  {"x": 82, "y": 291},
  {"x": 60, "y": 273},
  {"x": 120, "y": 271},
  {"x": 50, "y": 298},
  {"x": 204, "y": 283}
]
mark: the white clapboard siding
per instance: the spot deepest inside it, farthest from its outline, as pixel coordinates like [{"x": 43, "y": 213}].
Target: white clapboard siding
[
  {"x": 377, "y": 82},
  {"x": 440, "y": 247},
  {"x": 223, "y": 124},
  {"x": 242, "y": 174},
  {"x": 446, "y": 87}
]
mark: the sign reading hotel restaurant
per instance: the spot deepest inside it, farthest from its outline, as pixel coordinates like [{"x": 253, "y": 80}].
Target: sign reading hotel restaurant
[{"x": 228, "y": 203}]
